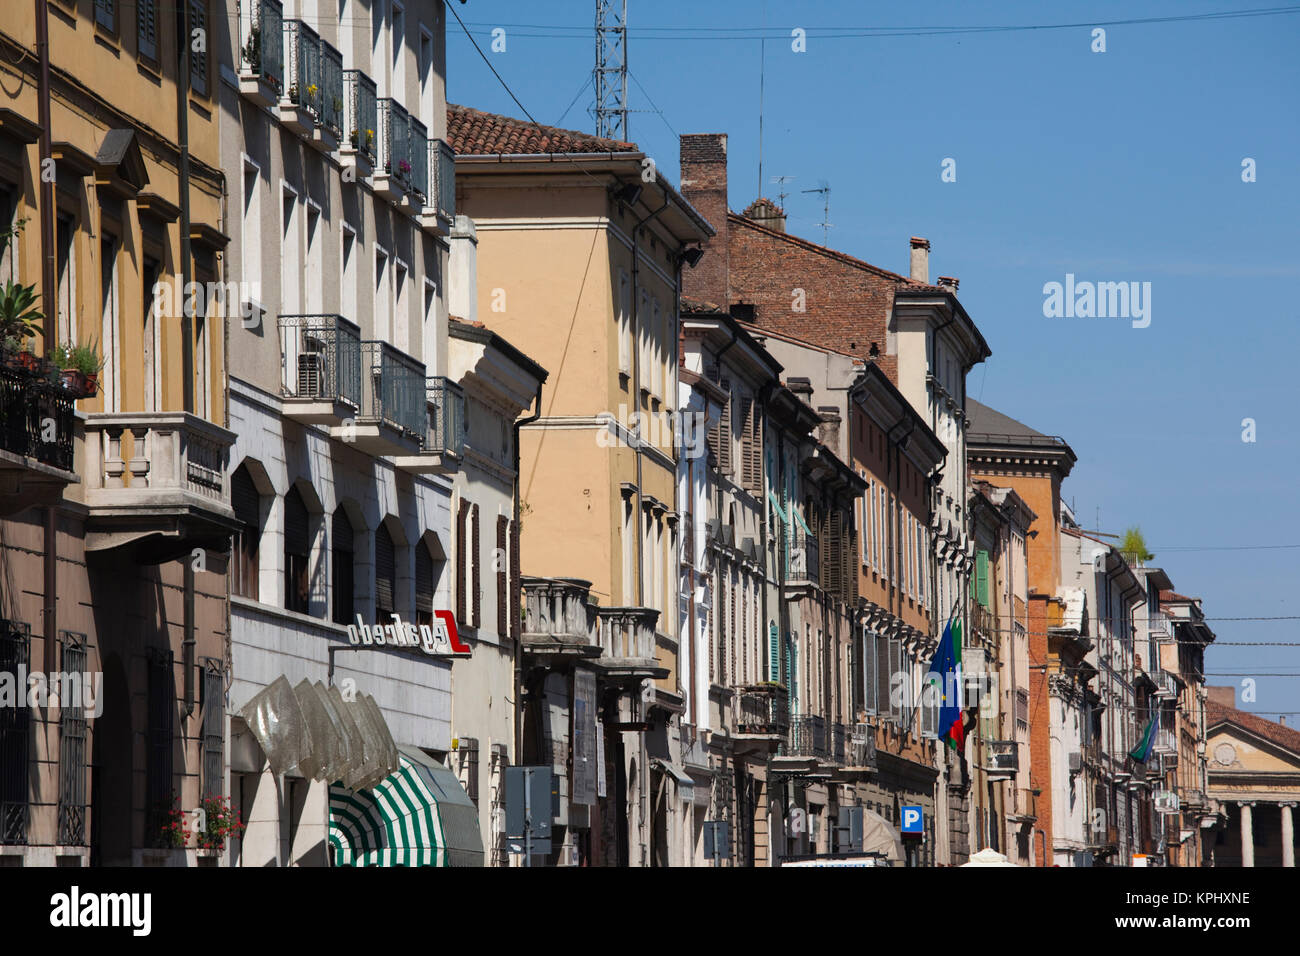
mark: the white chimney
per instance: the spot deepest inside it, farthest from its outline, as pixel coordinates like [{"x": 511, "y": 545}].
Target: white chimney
[{"x": 921, "y": 259}]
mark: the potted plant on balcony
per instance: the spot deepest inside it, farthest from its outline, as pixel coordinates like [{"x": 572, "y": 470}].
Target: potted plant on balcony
[
  {"x": 312, "y": 90},
  {"x": 253, "y": 48},
  {"x": 219, "y": 822},
  {"x": 79, "y": 367},
  {"x": 20, "y": 321}
]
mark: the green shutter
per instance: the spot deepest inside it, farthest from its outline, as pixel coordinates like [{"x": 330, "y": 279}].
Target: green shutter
[
  {"x": 773, "y": 652},
  {"x": 981, "y": 578}
]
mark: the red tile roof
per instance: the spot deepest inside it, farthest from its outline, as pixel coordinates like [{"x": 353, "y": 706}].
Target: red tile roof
[
  {"x": 1279, "y": 734},
  {"x": 1172, "y": 597},
  {"x": 472, "y": 132}
]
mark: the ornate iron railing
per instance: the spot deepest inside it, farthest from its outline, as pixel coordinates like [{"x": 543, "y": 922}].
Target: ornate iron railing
[
  {"x": 72, "y": 746},
  {"x": 331, "y": 89},
  {"x": 320, "y": 358},
  {"x": 261, "y": 40},
  {"x": 442, "y": 167},
  {"x": 446, "y": 408},
  {"x": 394, "y": 140},
  {"x": 303, "y": 66},
  {"x": 418, "y": 153},
  {"x": 15, "y": 646},
  {"x": 807, "y": 737},
  {"x": 36, "y": 417},
  {"x": 393, "y": 388},
  {"x": 361, "y": 122},
  {"x": 763, "y": 709}
]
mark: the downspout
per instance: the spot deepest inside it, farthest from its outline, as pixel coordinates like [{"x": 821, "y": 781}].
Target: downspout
[
  {"x": 187, "y": 316},
  {"x": 519, "y": 640},
  {"x": 49, "y": 295}
]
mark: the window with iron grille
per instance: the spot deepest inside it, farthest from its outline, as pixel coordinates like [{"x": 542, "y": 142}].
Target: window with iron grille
[
  {"x": 15, "y": 646},
  {"x": 72, "y": 746},
  {"x": 159, "y": 740},
  {"x": 343, "y": 567},
  {"x": 385, "y": 573},
  {"x": 297, "y": 549},
  {"x": 214, "y": 721}
]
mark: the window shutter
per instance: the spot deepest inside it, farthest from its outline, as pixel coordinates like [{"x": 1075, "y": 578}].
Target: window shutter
[
  {"x": 982, "y": 575},
  {"x": 746, "y": 464},
  {"x": 514, "y": 579},
  {"x": 147, "y": 28},
  {"x": 423, "y": 582},
  {"x": 725, "y": 436},
  {"x": 869, "y": 686},
  {"x": 297, "y": 533},
  {"x": 503, "y": 577},
  {"x": 475, "y": 540},
  {"x": 773, "y": 652},
  {"x": 461, "y": 512},
  {"x": 385, "y": 571},
  {"x": 852, "y": 567},
  {"x": 341, "y": 557},
  {"x": 198, "y": 58}
]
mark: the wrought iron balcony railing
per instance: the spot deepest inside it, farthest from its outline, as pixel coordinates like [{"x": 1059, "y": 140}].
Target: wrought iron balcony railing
[
  {"x": 392, "y": 389},
  {"x": 394, "y": 140},
  {"x": 442, "y": 167},
  {"x": 360, "y": 121},
  {"x": 15, "y": 646},
  {"x": 862, "y": 747},
  {"x": 763, "y": 709},
  {"x": 417, "y": 152},
  {"x": 446, "y": 409},
  {"x": 261, "y": 41},
  {"x": 331, "y": 89},
  {"x": 303, "y": 67},
  {"x": 36, "y": 418},
  {"x": 807, "y": 737},
  {"x": 321, "y": 358}
]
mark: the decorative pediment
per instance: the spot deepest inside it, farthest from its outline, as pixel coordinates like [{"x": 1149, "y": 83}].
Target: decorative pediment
[
  {"x": 119, "y": 165},
  {"x": 1231, "y": 749}
]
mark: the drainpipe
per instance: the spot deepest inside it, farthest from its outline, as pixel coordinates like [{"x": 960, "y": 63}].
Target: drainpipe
[
  {"x": 187, "y": 314},
  {"x": 518, "y": 654},
  {"x": 49, "y": 294}
]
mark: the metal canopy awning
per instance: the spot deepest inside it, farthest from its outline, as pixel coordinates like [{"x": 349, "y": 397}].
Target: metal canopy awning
[
  {"x": 417, "y": 816},
  {"x": 685, "y": 782}
]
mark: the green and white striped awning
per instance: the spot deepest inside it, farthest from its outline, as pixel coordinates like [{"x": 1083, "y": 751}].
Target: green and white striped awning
[{"x": 418, "y": 816}]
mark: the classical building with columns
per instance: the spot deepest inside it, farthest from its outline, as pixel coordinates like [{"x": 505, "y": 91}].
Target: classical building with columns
[{"x": 1254, "y": 774}]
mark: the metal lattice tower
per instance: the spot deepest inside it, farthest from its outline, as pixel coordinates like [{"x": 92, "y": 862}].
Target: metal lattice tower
[{"x": 611, "y": 69}]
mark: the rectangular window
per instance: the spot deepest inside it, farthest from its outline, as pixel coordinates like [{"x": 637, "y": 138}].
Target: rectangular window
[
  {"x": 313, "y": 282},
  {"x": 476, "y": 619},
  {"x": 624, "y": 324},
  {"x": 15, "y": 733},
  {"x": 66, "y": 267},
  {"x": 250, "y": 235},
  {"x": 151, "y": 272},
  {"x": 290, "y": 253},
  {"x": 922, "y": 549},
  {"x": 426, "y": 76},
  {"x": 72, "y": 748},
  {"x": 214, "y": 723},
  {"x": 349, "y": 273},
  {"x": 383, "y": 305},
  {"x": 108, "y": 328},
  {"x": 401, "y": 310}
]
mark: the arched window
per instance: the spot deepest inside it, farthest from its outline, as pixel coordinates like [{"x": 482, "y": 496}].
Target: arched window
[
  {"x": 342, "y": 562},
  {"x": 385, "y": 573},
  {"x": 297, "y": 551},
  {"x": 424, "y": 585},
  {"x": 246, "y": 501}
]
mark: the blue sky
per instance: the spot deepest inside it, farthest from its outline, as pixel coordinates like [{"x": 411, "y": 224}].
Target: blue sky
[{"x": 1117, "y": 166}]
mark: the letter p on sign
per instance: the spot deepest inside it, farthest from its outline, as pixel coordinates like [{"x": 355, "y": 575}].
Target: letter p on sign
[{"x": 911, "y": 820}]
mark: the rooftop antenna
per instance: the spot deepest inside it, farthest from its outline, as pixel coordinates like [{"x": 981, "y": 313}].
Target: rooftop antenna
[
  {"x": 826, "y": 224},
  {"x": 781, "y": 193},
  {"x": 611, "y": 69}
]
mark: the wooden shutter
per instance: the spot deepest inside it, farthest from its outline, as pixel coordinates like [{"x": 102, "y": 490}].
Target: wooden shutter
[
  {"x": 982, "y": 577},
  {"x": 751, "y": 464},
  {"x": 461, "y": 511},
  {"x": 725, "y": 436},
  {"x": 198, "y": 58},
  {"x": 514, "y": 579},
  {"x": 851, "y": 567},
  {"x": 385, "y": 571},
  {"x": 297, "y": 547},
  {"x": 147, "y": 28},
  {"x": 503, "y": 576},
  {"x": 475, "y": 618}
]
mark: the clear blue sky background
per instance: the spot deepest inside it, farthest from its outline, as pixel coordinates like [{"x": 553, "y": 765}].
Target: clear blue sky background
[{"x": 1116, "y": 166}]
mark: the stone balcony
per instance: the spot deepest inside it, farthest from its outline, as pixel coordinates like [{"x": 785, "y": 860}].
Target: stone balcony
[
  {"x": 561, "y": 621},
  {"x": 157, "y": 481},
  {"x": 627, "y": 639}
]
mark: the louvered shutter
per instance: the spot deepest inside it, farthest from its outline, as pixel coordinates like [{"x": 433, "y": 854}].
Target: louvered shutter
[
  {"x": 385, "y": 572},
  {"x": 751, "y": 465},
  {"x": 461, "y": 512},
  {"x": 198, "y": 58},
  {"x": 503, "y": 579},
  {"x": 851, "y": 567},
  {"x": 773, "y": 652},
  {"x": 297, "y": 532},
  {"x": 514, "y": 579},
  {"x": 725, "y": 436},
  {"x": 982, "y": 577},
  {"x": 475, "y": 618},
  {"x": 146, "y": 19},
  {"x": 869, "y": 661},
  {"x": 883, "y": 689}
]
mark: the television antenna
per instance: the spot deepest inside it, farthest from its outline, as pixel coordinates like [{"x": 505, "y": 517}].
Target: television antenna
[
  {"x": 824, "y": 188},
  {"x": 779, "y": 182}
]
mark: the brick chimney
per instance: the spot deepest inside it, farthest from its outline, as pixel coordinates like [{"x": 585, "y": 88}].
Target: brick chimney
[
  {"x": 766, "y": 213},
  {"x": 704, "y": 186},
  {"x": 921, "y": 259}
]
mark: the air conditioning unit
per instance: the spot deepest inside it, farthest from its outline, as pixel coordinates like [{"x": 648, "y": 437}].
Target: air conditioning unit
[
  {"x": 1076, "y": 762},
  {"x": 1005, "y": 760},
  {"x": 1166, "y": 801}
]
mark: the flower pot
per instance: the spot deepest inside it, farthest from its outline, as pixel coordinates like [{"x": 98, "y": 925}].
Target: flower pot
[
  {"x": 92, "y": 385},
  {"x": 29, "y": 361},
  {"x": 73, "y": 380}
]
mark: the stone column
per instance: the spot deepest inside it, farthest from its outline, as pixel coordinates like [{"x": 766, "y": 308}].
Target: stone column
[
  {"x": 1247, "y": 834},
  {"x": 1288, "y": 836}
]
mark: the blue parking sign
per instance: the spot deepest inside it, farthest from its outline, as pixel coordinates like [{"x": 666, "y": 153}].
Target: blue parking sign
[{"x": 913, "y": 821}]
